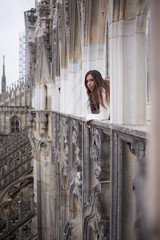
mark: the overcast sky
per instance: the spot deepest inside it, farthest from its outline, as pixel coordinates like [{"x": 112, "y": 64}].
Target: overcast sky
[{"x": 11, "y": 23}]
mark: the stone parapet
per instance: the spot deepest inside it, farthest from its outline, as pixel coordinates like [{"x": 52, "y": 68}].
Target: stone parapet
[{"x": 88, "y": 177}]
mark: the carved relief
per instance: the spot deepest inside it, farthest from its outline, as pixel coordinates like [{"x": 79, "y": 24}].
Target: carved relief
[
  {"x": 138, "y": 147},
  {"x": 95, "y": 145},
  {"x": 44, "y": 8},
  {"x": 43, "y": 121},
  {"x": 95, "y": 216},
  {"x": 75, "y": 140},
  {"x": 57, "y": 134},
  {"x": 32, "y": 129},
  {"x": 31, "y": 16},
  {"x": 64, "y": 158},
  {"x": 17, "y": 206},
  {"x": 44, "y": 148}
]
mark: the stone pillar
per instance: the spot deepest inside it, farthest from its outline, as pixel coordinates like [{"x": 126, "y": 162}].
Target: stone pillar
[
  {"x": 153, "y": 180},
  {"x": 128, "y": 72},
  {"x": 64, "y": 86},
  {"x": 19, "y": 211}
]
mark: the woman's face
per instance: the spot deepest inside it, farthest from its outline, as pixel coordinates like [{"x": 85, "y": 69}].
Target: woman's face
[{"x": 90, "y": 82}]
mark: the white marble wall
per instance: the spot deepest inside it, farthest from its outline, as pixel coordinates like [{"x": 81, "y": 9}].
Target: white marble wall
[
  {"x": 127, "y": 61},
  {"x": 64, "y": 87},
  {"x": 128, "y": 73},
  {"x": 56, "y": 93}
]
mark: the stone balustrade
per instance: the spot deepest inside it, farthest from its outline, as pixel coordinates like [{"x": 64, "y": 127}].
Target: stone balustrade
[
  {"x": 90, "y": 177},
  {"x": 18, "y": 214},
  {"x": 19, "y": 218},
  {"x": 15, "y": 158},
  {"x": 14, "y": 109}
]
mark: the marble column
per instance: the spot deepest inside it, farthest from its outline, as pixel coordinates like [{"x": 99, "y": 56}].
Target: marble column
[{"x": 128, "y": 72}]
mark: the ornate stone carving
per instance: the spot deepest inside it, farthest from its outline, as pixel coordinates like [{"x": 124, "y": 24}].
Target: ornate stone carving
[
  {"x": 64, "y": 158},
  {"x": 95, "y": 216},
  {"x": 137, "y": 148},
  {"x": 17, "y": 211},
  {"x": 32, "y": 128},
  {"x": 45, "y": 149},
  {"x": 43, "y": 121},
  {"x": 31, "y": 16},
  {"x": 95, "y": 145},
  {"x": 75, "y": 140},
  {"x": 72, "y": 230},
  {"x": 44, "y": 8},
  {"x": 57, "y": 119}
]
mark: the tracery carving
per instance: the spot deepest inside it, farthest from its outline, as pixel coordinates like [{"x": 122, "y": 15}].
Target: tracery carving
[
  {"x": 64, "y": 163},
  {"x": 95, "y": 216},
  {"x": 15, "y": 205},
  {"x": 72, "y": 230},
  {"x": 75, "y": 140},
  {"x": 99, "y": 152},
  {"x": 95, "y": 145}
]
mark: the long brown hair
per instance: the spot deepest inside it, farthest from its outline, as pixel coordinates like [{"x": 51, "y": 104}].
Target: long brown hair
[{"x": 95, "y": 96}]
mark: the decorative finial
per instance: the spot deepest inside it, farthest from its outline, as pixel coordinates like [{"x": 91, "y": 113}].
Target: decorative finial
[{"x": 3, "y": 59}]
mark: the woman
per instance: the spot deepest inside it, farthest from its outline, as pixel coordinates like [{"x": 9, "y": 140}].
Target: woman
[{"x": 98, "y": 92}]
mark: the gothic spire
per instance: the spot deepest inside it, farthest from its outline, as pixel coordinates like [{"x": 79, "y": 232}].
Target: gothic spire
[{"x": 3, "y": 82}]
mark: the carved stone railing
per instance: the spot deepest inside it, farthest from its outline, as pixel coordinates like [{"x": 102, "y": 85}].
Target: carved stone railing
[
  {"x": 99, "y": 176},
  {"x": 14, "y": 109},
  {"x": 19, "y": 219},
  {"x": 15, "y": 158},
  {"x": 17, "y": 215},
  {"x": 12, "y": 142}
]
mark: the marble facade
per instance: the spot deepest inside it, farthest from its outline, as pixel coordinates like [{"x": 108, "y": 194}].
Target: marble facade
[{"x": 88, "y": 180}]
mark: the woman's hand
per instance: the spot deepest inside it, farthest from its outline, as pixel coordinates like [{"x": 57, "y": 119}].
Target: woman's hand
[{"x": 88, "y": 122}]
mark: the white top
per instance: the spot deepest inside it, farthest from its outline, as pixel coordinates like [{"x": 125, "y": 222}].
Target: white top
[{"x": 103, "y": 113}]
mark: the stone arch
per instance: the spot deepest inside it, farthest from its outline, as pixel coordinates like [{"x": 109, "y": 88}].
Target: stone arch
[{"x": 15, "y": 124}]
